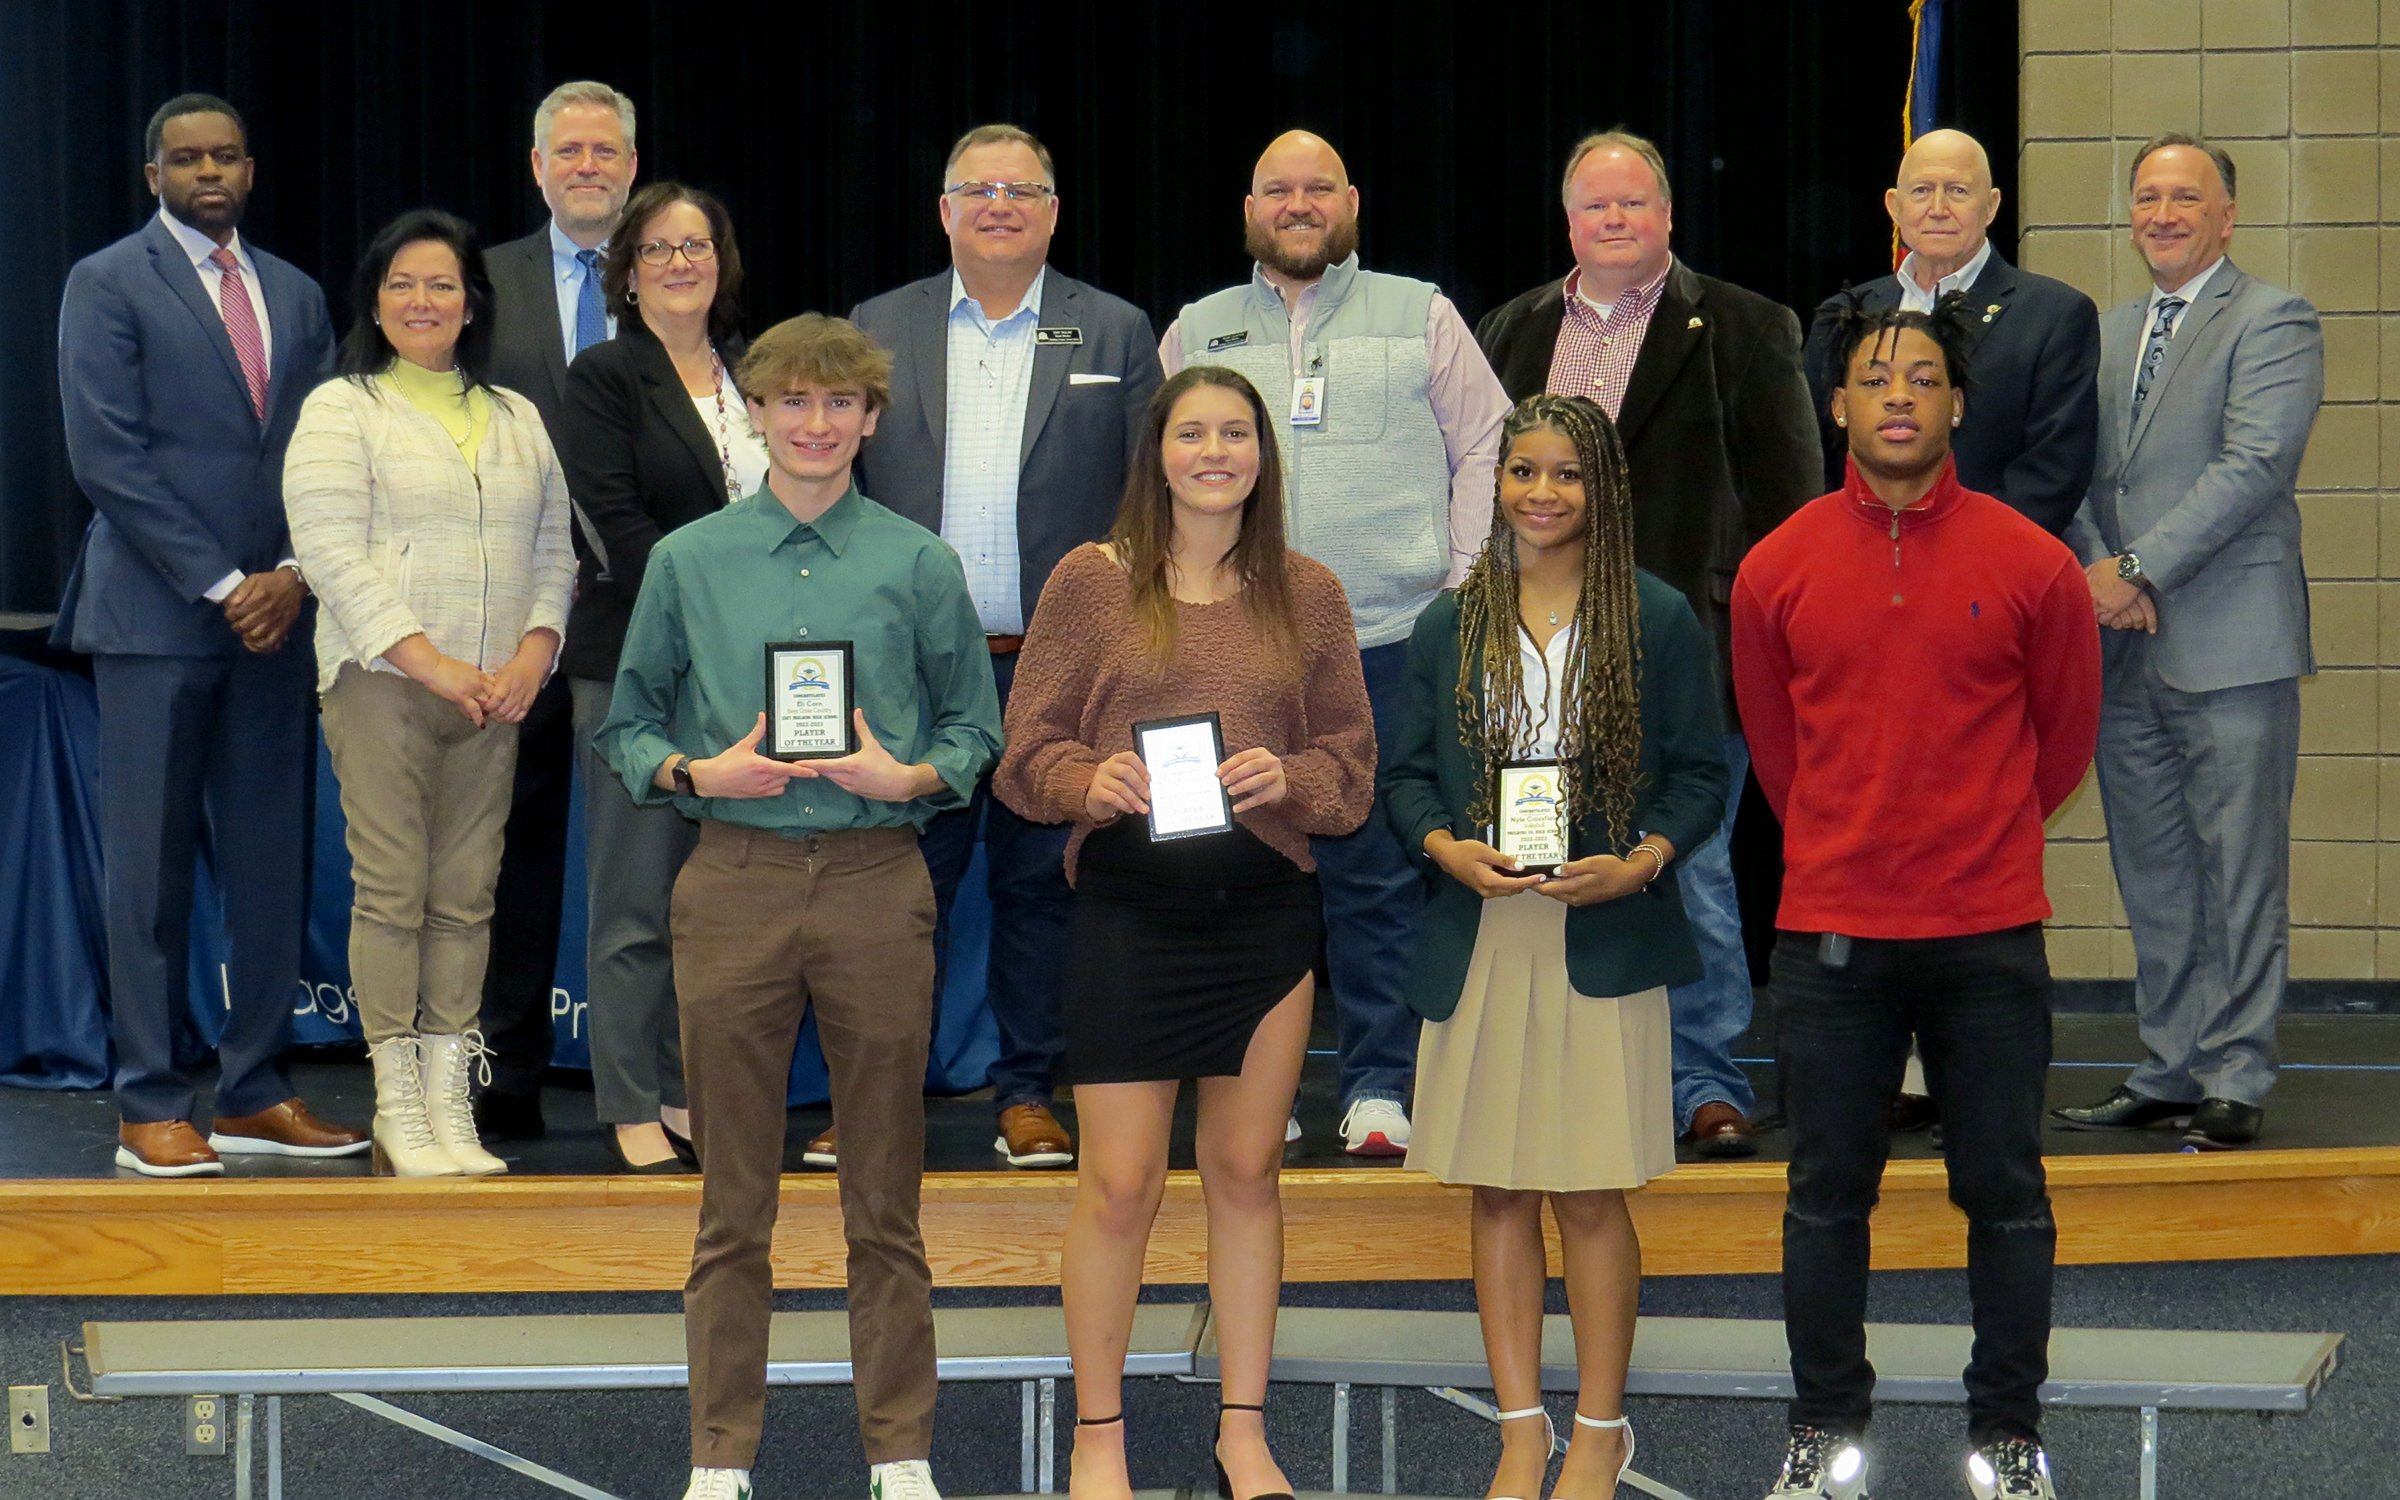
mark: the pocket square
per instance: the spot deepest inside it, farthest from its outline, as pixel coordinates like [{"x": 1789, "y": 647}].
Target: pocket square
[{"x": 1094, "y": 379}]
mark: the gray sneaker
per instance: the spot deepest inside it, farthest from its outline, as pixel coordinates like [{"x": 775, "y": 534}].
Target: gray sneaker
[
  {"x": 2010, "y": 1469},
  {"x": 1821, "y": 1465}
]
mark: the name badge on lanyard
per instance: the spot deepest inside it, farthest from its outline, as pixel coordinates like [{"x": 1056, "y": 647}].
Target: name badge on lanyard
[{"x": 1308, "y": 392}]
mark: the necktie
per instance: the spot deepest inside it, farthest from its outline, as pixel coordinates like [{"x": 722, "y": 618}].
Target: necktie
[
  {"x": 241, "y": 325},
  {"x": 2154, "y": 353},
  {"x": 591, "y": 324}
]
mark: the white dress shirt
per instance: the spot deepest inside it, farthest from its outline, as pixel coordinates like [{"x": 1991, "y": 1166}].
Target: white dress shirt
[
  {"x": 1546, "y": 667},
  {"x": 2187, "y": 294},
  {"x": 990, "y": 378},
  {"x": 1914, "y": 298},
  {"x": 212, "y": 280},
  {"x": 566, "y": 274}
]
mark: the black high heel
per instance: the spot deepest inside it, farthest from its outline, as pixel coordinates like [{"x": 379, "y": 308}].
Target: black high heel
[{"x": 1225, "y": 1481}]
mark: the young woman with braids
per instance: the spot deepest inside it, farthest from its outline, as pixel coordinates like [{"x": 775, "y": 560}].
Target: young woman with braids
[
  {"x": 1543, "y": 1071},
  {"x": 1189, "y": 958}
]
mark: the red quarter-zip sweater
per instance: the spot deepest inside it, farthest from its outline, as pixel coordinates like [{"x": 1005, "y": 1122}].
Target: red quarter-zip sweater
[{"x": 1919, "y": 693}]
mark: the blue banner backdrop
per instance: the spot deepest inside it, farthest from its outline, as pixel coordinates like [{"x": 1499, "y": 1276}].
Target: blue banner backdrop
[{"x": 53, "y": 946}]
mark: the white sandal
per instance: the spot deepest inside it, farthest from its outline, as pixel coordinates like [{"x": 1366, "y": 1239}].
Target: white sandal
[
  {"x": 1626, "y": 1464},
  {"x": 1549, "y": 1434}
]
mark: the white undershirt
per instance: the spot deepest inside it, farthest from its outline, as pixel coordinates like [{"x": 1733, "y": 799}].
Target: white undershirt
[{"x": 734, "y": 440}]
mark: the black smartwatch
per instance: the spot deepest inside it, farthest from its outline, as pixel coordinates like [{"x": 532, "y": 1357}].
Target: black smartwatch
[{"x": 681, "y": 774}]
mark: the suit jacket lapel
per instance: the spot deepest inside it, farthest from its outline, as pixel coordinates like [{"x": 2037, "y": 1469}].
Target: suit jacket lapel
[
  {"x": 672, "y": 402},
  {"x": 1988, "y": 301},
  {"x": 1678, "y": 325},
  {"x": 541, "y": 280},
  {"x": 283, "y": 314},
  {"x": 2188, "y": 329},
  {"x": 931, "y": 357},
  {"x": 1050, "y": 361},
  {"x": 183, "y": 279}
]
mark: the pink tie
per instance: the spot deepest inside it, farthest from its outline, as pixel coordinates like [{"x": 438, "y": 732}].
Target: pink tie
[{"x": 241, "y": 325}]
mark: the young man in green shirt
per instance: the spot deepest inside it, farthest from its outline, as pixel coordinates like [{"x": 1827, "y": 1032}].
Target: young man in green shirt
[{"x": 807, "y": 887}]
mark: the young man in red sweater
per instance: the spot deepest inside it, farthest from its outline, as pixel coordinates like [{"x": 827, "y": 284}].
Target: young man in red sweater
[{"x": 1918, "y": 668}]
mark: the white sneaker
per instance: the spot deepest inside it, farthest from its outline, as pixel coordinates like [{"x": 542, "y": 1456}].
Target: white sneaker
[
  {"x": 719, "y": 1484},
  {"x": 1375, "y": 1127},
  {"x": 1820, "y": 1465},
  {"x": 903, "y": 1479},
  {"x": 2010, "y": 1469}
]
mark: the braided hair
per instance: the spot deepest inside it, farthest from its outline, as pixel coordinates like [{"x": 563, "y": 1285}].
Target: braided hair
[
  {"x": 1600, "y": 740},
  {"x": 1846, "y": 321}
]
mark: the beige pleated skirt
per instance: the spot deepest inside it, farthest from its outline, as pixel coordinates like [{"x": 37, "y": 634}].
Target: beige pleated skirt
[{"x": 1532, "y": 1086}]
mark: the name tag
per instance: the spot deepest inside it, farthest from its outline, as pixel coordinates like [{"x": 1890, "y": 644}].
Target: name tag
[
  {"x": 1229, "y": 341},
  {"x": 1057, "y": 336},
  {"x": 1308, "y": 401}
]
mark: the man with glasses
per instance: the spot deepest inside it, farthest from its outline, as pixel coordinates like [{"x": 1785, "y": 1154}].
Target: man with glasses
[
  {"x": 1393, "y": 431},
  {"x": 546, "y": 309},
  {"x": 1017, "y": 392}
]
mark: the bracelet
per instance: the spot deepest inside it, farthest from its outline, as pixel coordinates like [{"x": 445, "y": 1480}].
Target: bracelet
[{"x": 1658, "y": 860}]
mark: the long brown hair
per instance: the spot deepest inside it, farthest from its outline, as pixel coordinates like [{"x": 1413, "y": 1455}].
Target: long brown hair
[
  {"x": 1600, "y": 742},
  {"x": 1144, "y": 533}
]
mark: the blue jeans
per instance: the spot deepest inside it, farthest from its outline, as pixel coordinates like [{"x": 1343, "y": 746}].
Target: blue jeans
[
  {"x": 1372, "y": 897},
  {"x": 1025, "y": 869},
  {"x": 1713, "y": 1011}
]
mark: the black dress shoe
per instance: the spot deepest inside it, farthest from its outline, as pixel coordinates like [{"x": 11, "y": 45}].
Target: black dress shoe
[
  {"x": 509, "y": 1117},
  {"x": 2223, "y": 1124},
  {"x": 669, "y": 1167},
  {"x": 685, "y": 1151},
  {"x": 2124, "y": 1109}
]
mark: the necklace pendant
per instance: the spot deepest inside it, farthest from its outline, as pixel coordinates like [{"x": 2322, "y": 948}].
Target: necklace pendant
[{"x": 1554, "y": 617}]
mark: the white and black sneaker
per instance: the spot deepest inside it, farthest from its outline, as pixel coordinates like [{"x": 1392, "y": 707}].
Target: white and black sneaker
[
  {"x": 719, "y": 1484},
  {"x": 1821, "y": 1465},
  {"x": 2010, "y": 1469}
]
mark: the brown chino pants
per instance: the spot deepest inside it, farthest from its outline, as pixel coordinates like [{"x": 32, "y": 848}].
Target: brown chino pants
[{"x": 764, "y": 927}]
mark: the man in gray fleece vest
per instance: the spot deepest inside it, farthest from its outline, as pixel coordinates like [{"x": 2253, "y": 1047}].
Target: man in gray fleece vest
[{"x": 1393, "y": 428}]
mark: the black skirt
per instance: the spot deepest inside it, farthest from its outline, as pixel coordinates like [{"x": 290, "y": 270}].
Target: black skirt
[{"x": 1176, "y": 951}]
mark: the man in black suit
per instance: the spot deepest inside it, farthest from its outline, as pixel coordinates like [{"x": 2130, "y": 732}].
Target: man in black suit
[
  {"x": 1703, "y": 379},
  {"x": 1016, "y": 396},
  {"x": 546, "y": 309},
  {"x": 2033, "y": 415}
]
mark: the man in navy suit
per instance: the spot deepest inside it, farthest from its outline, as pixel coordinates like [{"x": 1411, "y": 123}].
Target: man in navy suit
[
  {"x": 183, "y": 357},
  {"x": 1016, "y": 394},
  {"x": 2033, "y": 416}
]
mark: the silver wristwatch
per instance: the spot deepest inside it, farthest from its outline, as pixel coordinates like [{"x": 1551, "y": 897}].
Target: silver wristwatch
[{"x": 2129, "y": 568}]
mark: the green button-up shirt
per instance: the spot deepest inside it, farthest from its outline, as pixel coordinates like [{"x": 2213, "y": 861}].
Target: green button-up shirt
[{"x": 692, "y": 678}]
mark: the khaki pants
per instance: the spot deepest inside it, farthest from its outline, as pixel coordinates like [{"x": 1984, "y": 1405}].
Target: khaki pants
[
  {"x": 764, "y": 927},
  {"x": 426, "y": 796}
]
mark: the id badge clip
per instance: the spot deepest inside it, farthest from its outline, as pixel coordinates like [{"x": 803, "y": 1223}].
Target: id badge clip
[{"x": 1308, "y": 401}]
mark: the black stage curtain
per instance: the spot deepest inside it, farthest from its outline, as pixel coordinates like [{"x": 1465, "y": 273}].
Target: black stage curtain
[{"x": 824, "y": 129}]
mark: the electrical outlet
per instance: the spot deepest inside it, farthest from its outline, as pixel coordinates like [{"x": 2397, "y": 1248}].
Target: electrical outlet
[
  {"x": 204, "y": 1423},
  {"x": 29, "y": 1419}
]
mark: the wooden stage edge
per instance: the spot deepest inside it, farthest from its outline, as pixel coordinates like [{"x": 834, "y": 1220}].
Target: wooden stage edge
[{"x": 285, "y": 1236}]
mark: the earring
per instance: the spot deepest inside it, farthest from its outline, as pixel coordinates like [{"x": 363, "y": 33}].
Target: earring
[
  {"x": 632, "y": 297},
  {"x": 1841, "y": 421},
  {"x": 1954, "y": 421}
]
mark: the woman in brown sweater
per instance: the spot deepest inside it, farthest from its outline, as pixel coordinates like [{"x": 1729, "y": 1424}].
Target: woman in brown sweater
[{"x": 1189, "y": 957}]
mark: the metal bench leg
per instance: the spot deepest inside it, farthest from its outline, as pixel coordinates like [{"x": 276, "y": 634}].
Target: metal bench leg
[
  {"x": 241, "y": 1448},
  {"x": 1341, "y": 1437},
  {"x": 1391, "y": 1434},
  {"x": 474, "y": 1445},
  {"x": 2149, "y": 1453},
  {"x": 1049, "y": 1438},
  {"x": 274, "y": 1448},
  {"x": 1025, "y": 1429}
]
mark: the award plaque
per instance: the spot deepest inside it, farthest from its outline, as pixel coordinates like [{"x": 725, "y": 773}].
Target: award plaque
[
  {"x": 809, "y": 700},
  {"x": 1530, "y": 816},
  {"x": 1182, "y": 756}
]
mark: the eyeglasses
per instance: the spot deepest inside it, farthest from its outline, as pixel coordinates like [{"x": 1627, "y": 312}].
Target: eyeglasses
[
  {"x": 991, "y": 192},
  {"x": 658, "y": 252}
]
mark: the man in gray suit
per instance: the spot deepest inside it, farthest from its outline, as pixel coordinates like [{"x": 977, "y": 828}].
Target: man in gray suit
[
  {"x": 2208, "y": 388},
  {"x": 1017, "y": 393},
  {"x": 546, "y": 309}
]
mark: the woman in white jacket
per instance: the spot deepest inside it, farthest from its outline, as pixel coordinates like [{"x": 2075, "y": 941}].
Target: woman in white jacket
[{"x": 430, "y": 518}]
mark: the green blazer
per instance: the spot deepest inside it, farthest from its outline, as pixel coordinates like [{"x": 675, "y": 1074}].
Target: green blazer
[{"x": 1425, "y": 781}]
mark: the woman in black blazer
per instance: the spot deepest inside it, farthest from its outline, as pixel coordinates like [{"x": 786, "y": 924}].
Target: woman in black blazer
[
  {"x": 653, "y": 435},
  {"x": 1558, "y": 680}
]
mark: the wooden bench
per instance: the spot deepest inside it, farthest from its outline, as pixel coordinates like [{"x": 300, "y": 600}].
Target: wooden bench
[
  {"x": 2141, "y": 1369},
  {"x": 360, "y": 1360}
]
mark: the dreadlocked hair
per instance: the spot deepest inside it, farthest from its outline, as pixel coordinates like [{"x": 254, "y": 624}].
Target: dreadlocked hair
[
  {"x": 1600, "y": 740},
  {"x": 1846, "y": 321}
]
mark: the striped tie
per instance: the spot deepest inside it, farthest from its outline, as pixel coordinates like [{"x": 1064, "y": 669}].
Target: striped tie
[
  {"x": 241, "y": 325},
  {"x": 2154, "y": 353},
  {"x": 591, "y": 324}
]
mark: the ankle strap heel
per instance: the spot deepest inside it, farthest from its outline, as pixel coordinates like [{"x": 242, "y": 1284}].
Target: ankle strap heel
[
  {"x": 1224, "y": 1480},
  {"x": 1619, "y": 1424},
  {"x": 1099, "y": 1421}
]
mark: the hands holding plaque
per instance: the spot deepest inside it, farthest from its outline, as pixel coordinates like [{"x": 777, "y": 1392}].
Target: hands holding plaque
[
  {"x": 1532, "y": 841},
  {"x": 810, "y": 700},
  {"x": 1179, "y": 777}
]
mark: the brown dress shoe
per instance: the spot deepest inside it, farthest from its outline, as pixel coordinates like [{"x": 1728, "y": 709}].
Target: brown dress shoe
[
  {"x": 166, "y": 1148},
  {"x": 286, "y": 1129},
  {"x": 1720, "y": 1131},
  {"x": 1030, "y": 1136},
  {"x": 819, "y": 1150}
]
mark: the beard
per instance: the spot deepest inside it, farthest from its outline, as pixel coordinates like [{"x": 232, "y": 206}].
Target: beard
[
  {"x": 1338, "y": 245},
  {"x": 210, "y": 219}
]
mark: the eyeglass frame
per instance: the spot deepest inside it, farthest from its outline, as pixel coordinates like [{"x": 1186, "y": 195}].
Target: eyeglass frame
[
  {"x": 992, "y": 192},
  {"x": 641, "y": 252}
]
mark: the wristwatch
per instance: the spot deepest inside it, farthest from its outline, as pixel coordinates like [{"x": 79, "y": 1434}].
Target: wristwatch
[
  {"x": 2129, "y": 568},
  {"x": 681, "y": 773}
]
